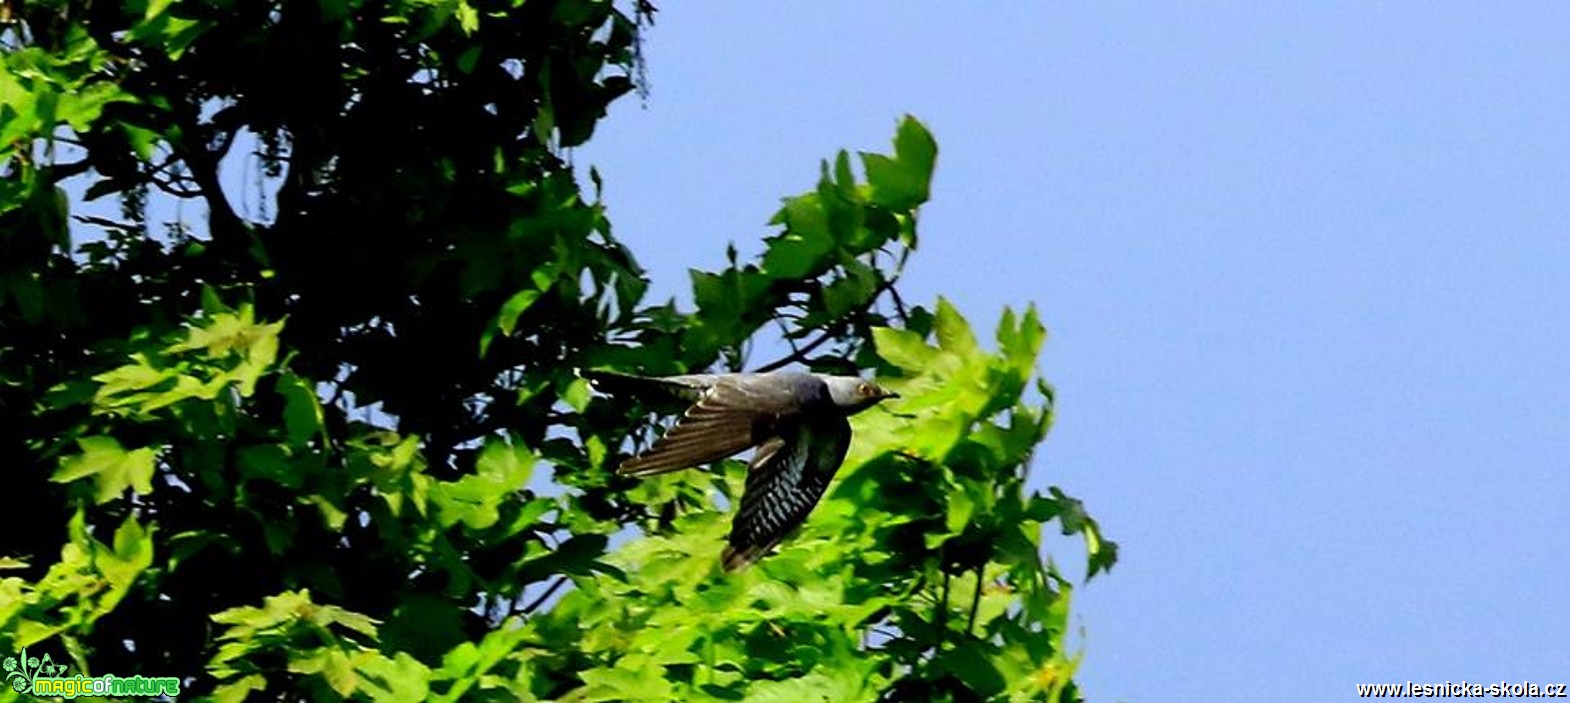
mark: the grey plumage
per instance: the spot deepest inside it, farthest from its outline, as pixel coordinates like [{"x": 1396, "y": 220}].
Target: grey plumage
[{"x": 797, "y": 422}]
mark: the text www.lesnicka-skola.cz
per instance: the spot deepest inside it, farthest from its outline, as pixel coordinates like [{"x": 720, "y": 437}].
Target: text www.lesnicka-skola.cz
[{"x": 1503, "y": 689}]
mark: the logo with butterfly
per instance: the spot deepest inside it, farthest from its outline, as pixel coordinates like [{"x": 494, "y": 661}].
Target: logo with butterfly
[
  {"x": 21, "y": 670},
  {"x": 41, "y": 676}
]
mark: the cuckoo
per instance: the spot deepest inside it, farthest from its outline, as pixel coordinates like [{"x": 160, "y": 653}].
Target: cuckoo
[{"x": 795, "y": 421}]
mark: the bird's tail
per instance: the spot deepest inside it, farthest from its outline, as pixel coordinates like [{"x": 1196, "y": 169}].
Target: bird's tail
[
  {"x": 617, "y": 383},
  {"x": 734, "y": 559}
]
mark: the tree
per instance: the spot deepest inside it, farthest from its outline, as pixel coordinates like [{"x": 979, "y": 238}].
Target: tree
[{"x": 330, "y": 443}]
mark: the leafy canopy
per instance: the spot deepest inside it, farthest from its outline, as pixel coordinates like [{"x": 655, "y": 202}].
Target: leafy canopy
[{"x": 317, "y": 435}]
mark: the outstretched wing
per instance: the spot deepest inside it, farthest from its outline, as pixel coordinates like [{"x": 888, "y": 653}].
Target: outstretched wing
[
  {"x": 726, "y": 419},
  {"x": 788, "y": 475}
]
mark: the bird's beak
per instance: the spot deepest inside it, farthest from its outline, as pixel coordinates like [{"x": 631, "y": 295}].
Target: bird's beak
[{"x": 890, "y": 394}]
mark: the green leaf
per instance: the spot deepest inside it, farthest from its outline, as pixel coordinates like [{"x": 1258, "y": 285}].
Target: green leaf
[
  {"x": 727, "y": 303},
  {"x": 852, "y": 292},
  {"x": 902, "y": 182},
  {"x": 1042, "y": 508},
  {"x": 515, "y": 306},
  {"x": 962, "y": 507},
  {"x": 332, "y": 665},
  {"x": 475, "y": 500},
  {"x": 468, "y": 59},
  {"x": 577, "y": 395},
  {"x": 302, "y": 411},
  {"x": 507, "y": 318},
  {"x": 112, "y": 467},
  {"x": 133, "y": 552},
  {"x": 85, "y": 105},
  {"x": 627, "y": 681},
  {"x": 269, "y": 462},
  {"x": 401, "y": 678},
  {"x": 832, "y": 684},
  {"x": 156, "y": 8},
  {"x": 1103, "y": 554},
  {"x": 969, "y": 663},
  {"x": 954, "y": 335},
  {"x": 578, "y": 555},
  {"x": 468, "y": 18},
  {"x": 143, "y": 141},
  {"x": 508, "y": 465},
  {"x": 804, "y": 249},
  {"x": 239, "y": 690},
  {"x": 426, "y": 625},
  {"x": 902, "y": 348}
]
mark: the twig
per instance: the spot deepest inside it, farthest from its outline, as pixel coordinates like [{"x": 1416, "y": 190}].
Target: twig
[
  {"x": 551, "y": 591},
  {"x": 168, "y": 164},
  {"x": 975, "y": 600},
  {"x": 201, "y": 158},
  {"x": 899, "y": 271},
  {"x": 899, "y": 306},
  {"x": 785, "y": 334},
  {"x": 175, "y": 190},
  {"x": 104, "y": 222},
  {"x": 799, "y": 354},
  {"x": 60, "y": 172},
  {"x": 943, "y": 616}
]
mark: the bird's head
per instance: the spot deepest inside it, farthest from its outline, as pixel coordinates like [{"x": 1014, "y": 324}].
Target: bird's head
[{"x": 853, "y": 394}]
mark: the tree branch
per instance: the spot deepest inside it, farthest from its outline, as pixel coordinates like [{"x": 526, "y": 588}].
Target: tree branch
[
  {"x": 899, "y": 305},
  {"x": 202, "y": 160},
  {"x": 551, "y": 591},
  {"x": 104, "y": 222},
  {"x": 175, "y": 190},
  {"x": 799, "y": 355},
  {"x": 785, "y": 333},
  {"x": 61, "y": 171},
  {"x": 942, "y": 617},
  {"x": 975, "y": 599}
]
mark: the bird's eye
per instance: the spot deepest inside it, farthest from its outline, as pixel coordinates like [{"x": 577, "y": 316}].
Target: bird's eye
[{"x": 864, "y": 389}]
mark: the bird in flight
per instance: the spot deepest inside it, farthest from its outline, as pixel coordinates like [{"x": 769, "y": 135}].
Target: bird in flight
[{"x": 796, "y": 421}]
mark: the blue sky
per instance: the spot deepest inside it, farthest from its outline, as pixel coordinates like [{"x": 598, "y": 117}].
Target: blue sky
[{"x": 1305, "y": 268}]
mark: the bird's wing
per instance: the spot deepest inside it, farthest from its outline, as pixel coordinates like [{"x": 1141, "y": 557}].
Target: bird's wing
[
  {"x": 788, "y": 475},
  {"x": 724, "y": 421}
]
